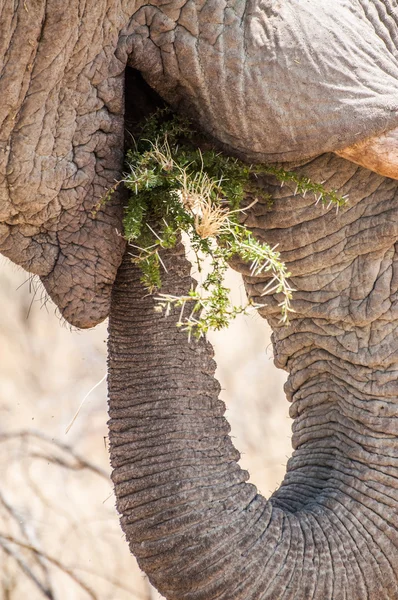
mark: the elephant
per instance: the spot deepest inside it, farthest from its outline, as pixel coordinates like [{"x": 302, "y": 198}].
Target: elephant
[{"x": 307, "y": 84}]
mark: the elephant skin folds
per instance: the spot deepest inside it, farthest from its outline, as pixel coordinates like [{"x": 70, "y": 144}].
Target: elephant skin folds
[
  {"x": 198, "y": 529},
  {"x": 269, "y": 81},
  {"x": 61, "y": 148},
  {"x": 62, "y": 111}
]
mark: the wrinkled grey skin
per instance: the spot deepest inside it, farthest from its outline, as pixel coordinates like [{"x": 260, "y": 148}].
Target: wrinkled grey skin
[{"x": 270, "y": 81}]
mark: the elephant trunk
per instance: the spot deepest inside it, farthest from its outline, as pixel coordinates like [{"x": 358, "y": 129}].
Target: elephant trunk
[{"x": 198, "y": 529}]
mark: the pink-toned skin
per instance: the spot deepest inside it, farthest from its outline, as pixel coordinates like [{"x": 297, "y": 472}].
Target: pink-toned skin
[{"x": 379, "y": 154}]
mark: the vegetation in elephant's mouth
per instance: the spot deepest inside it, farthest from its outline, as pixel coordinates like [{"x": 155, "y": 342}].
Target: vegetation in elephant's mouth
[{"x": 177, "y": 187}]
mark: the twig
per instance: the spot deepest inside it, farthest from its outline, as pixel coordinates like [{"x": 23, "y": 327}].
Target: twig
[
  {"x": 3, "y": 541},
  {"x": 83, "y": 401},
  {"x": 25, "y": 434},
  {"x": 24, "y": 566},
  {"x": 26, "y": 533}
]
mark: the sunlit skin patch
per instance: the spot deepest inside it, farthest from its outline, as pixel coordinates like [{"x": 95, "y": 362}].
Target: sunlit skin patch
[{"x": 379, "y": 154}]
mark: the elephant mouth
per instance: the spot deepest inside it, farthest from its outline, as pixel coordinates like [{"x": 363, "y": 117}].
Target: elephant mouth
[
  {"x": 140, "y": 101},
  {"x": 377, "y": 153},
  {"x": 60, "y": 235}
]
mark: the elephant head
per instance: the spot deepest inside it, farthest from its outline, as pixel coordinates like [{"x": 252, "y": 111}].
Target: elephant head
[{"x": 308, "y": 83}]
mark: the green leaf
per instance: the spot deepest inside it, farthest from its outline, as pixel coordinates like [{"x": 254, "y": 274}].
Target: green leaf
[{"x": 174, "y": 187}]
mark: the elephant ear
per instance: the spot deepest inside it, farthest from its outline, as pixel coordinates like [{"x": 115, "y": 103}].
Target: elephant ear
[{"x": 277, "y": 81}]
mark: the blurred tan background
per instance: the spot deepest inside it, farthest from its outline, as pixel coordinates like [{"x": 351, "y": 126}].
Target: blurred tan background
[{"x": 59, "y": 531}]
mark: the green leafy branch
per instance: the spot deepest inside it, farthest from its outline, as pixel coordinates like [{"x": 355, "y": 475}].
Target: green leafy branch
[
  {"x": 304, "y": 185},
  {"x": 176, "y": 187}
]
